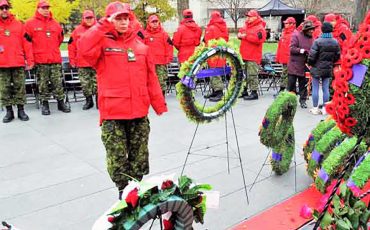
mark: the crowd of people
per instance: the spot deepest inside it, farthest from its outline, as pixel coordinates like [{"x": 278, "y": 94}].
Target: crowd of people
[{"x": 124, "y": 66}]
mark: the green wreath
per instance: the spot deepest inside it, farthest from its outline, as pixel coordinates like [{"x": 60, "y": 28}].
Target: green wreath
[
  {"x": 361, "y": 173},
  {"x": 277, "y": 131},
  {"x": 194, "y": 110}
]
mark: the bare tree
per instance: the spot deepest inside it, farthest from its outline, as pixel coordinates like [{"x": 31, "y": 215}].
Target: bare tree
[
  {"x": 234, "y": 8},
  {"x": 181, "y": 6},
  {"x": 362, "y": 6},
  {"x": 311, "y": 6}
]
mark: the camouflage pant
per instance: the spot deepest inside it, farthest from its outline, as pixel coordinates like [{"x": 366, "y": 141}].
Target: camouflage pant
[
  {"x": 88, "y": 81},
  {"x": 49, "y": 78},
  {"x": 126, "y": 143},
  {"x": 12, "y": 86},
  {"x": 284, "y": 77},
  {"x": 251, "y": 70},
  {"x": 216, "y": 83},
  {"x": 161, "y": 71}
]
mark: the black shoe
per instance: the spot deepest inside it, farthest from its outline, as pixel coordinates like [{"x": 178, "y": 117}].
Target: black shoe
[
  {"x": 303, "y": 105},
  {"x": 217, "y": 96},
  {"x": 21, "y": 114},
  {"x": 89, "y": 103},
  {"x": 63, "y": 107},
  {"x": 45, "y": 108},
  {"x": 244, "y": 94},
  {"x": 253, "y": 96},
  {"x": 9, "y": 116},
  {"x": 210, "y": 94}
]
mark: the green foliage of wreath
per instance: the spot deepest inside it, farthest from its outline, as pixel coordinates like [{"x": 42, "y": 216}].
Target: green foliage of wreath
[
  {"x": 277, "y": 131},
  {"x": 316, "y": 134},
  {"x": 361, "y": 174},
  {"x": 196, "y": 111}
]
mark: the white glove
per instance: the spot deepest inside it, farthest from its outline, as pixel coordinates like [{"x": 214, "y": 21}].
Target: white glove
[{"x": 301, "y": 51}]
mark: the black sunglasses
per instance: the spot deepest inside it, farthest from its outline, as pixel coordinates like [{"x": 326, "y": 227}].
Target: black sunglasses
[{"x": 4, "y": 7}]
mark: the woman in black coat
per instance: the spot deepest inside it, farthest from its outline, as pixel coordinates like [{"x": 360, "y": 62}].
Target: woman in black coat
[{"x": 324, "y": 52}]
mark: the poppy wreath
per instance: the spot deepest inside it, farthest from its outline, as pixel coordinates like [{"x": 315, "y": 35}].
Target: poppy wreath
[
  {"x": 194, "y": 110},
  {"x": 360, "y": 174},
  {"x": 316, "y": 134},
  {"x": 277, "y": 132},
  {"x": 349, "y": 106},
  {"x": 185, "y": 200}
]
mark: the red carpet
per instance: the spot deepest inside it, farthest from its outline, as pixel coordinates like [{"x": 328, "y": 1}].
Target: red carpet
[{"x": 284, "y": 215}]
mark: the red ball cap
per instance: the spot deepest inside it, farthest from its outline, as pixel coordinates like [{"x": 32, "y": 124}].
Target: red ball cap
[
  {"x": 116, "y": 7},
  {"x": 215, "y": 14},
  {"x": 252, "y": 13},
  {"x": 88, "y": 13},
  {"x": 153, "y": 17},
  {"x": 290, "y": 20},
  {"x": 330, "y": 18},
  {"x": 4, "y": 3},
  {"x": 312, "y": 18},
  {"x": 43, "y": 3},
  {"x": 187, "y": 13}
]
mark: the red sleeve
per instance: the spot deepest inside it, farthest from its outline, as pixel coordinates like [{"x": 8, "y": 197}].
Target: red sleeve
[
  {"x": 177, "y": 38},
  {"x": 27, "y": 47},
  {"x": 199, "y": 36},
  {"x": 278, "y": 52},
  {"x": 256, "y": 37},
  {"x": 61, "y": 33},
  {"x": 72, "y": 49},
  {"x": 155, "y": 92},
  {"x": 169, "y": 49},
  {"x": 209, "y": 34},
  {"x": 90, "y": 43}
]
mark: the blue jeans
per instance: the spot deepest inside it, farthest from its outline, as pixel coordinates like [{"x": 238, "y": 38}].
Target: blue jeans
[{"x": 315, "y": 90}]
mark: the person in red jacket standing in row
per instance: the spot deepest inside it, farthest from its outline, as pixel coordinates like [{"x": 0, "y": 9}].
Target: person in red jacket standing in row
[
  {"x": 127, "y": 85},
  {"x": 252, "y": 37},
  {"x": 187, "y": 36},
  {"x": 216, "y": 29},
  {"x": 341, "y": 31},
  {"x": 283, "y": 50},
  {"x": 14, "y": 48},
  {"x": 160, "y": 46},
  {"x": 46, "y": 36},
  {"x": 85, "y": 72}
]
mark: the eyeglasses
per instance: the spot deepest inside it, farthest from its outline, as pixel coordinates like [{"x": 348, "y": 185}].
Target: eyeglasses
[
  {"x": 155, "y": 21},
  {"x": 4, "y": 7},
  {"x": 45, "y": 7},
  {"x": 89, "y": 17}
]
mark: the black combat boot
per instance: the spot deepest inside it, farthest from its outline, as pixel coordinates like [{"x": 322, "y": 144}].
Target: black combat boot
[
  {"x": 217, "y": 96},
  {"x": 89, "y": 103},
  {"x": 253, "y": 96},
  {"x": 21, "y": 114},
  {"x": 210, "y": 94},
  {"x": 45, "y": 108},
  {"x": 63, "y": 107},
  {"x": 9, "y": 116}
]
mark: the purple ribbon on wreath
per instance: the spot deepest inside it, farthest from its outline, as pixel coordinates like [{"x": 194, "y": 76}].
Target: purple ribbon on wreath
[
  {"x": 277, "y": 156},
  {"x": 361, "y": 159},
  {"x": 323, "y": 175},
  {"x": 316, "y": 156},
  {"x": 265, "y": 123},
  {"x": 311, "y": 138},
  {"x": 188, "y": 82}
]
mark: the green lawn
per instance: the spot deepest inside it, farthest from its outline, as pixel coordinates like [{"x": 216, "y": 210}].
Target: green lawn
[{"x": 64, "y": 46}]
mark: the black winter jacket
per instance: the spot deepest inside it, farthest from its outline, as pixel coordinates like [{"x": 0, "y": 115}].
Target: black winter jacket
[{"x": 324, "y": 52}]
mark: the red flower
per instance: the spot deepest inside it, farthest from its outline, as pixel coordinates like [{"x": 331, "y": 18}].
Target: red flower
[
  {"x": 322, "y": 202},
  {"x": 111, "y": 219},
  {"x": 132, "y": 198},
  {"x": 350, "y": 122},
  {"x": 366, "y": 51},
  {"x": 350, "y": 99},
  {"x": 167, "y": 184},
  {"x": 345, "y": 109},
  {"x": 349, "y": 74},
  {"x": 344, "y": 128},
  {"x": 306, "y": 212},
  {"x": 168, "y": 225},
  {"x": 341, "y": 86},
  {"x": 330, "y": 108}
]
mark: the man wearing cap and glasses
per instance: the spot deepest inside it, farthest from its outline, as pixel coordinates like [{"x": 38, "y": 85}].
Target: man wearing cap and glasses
[
  {"x": 85, "y": 71},
  {"x": 46, "y": 36},
  {"x": 127, "y": 86},
  {"x": 160, "y": 46},
  {"x": 283, "y": 51},
  {"x": 252, "y": 37},
  {"x": 14, "y": 49},
  {"x": 300, "y": 46}
]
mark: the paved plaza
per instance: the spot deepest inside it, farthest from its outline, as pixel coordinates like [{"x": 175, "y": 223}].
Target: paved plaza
[{"x": 53, "y": 173}]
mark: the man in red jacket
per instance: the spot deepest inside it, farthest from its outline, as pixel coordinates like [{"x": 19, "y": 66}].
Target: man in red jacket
[
  {"x": 252, "y": 37},
  {"x": 187, "y": 36},
  {"x": 160, "y": 46},
  {"x": 341, "y": 30},
  {"x": 127, "y": 86},
  {"x": 46, "y": 35},
  {"x": 85, "y": 72},
  {"x": 283, "y": 50},
  {"x": 14, "y": 48},
  {"x": 216, "y": 29}
]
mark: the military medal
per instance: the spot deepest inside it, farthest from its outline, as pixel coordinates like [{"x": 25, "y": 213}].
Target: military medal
[
  {"x": 7, "y": 33},
  {"x": 131, "y": 55},
  {"x": 48, "y": 34}
]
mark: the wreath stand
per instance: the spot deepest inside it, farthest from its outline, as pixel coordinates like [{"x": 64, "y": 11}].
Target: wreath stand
[{"x": 190, "y": 152}]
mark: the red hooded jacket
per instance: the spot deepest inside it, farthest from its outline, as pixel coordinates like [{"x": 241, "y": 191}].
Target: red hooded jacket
[
  {"x": 159, "y": 43},
  {"x": 186, "y": 38},
  {"x": 251, "y": 45},
  {"x": 342, "y": 32},
  {"x": 46, "y": 35},
  {"x": 75, "y": 58},
  {"x": 283, "y": 49},
  {"x": 216, "y": 29},
  {"x": 126, "y": 88},
  {"x": 15, "y": 49}
]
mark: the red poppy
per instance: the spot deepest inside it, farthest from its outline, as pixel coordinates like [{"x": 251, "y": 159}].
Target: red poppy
[
  {"x": 345, "y": 109},
  {"x": 366, "y": 51},
  {"x": 347, "y": 61},
  {"x": 350, "y": 99},
  {"x": 167, "y": 184},
  {"x": 306, "y": 212},
  {"x": 330, "y": 109},
  {"x": 344, "y": 128},
  {"x": 168, "y": 225},
  {"x": 365, "y": 37},
  {"x": 342, "y": 75},
  {"x": 364, "y": 28},
  {"x": 350, "y": 122},
  {"x": 341, "y": 114},
  {"x": 132, "y": 198},
  {"x": 111, "y": 219},
  {"x": 349, "y": 74}
]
